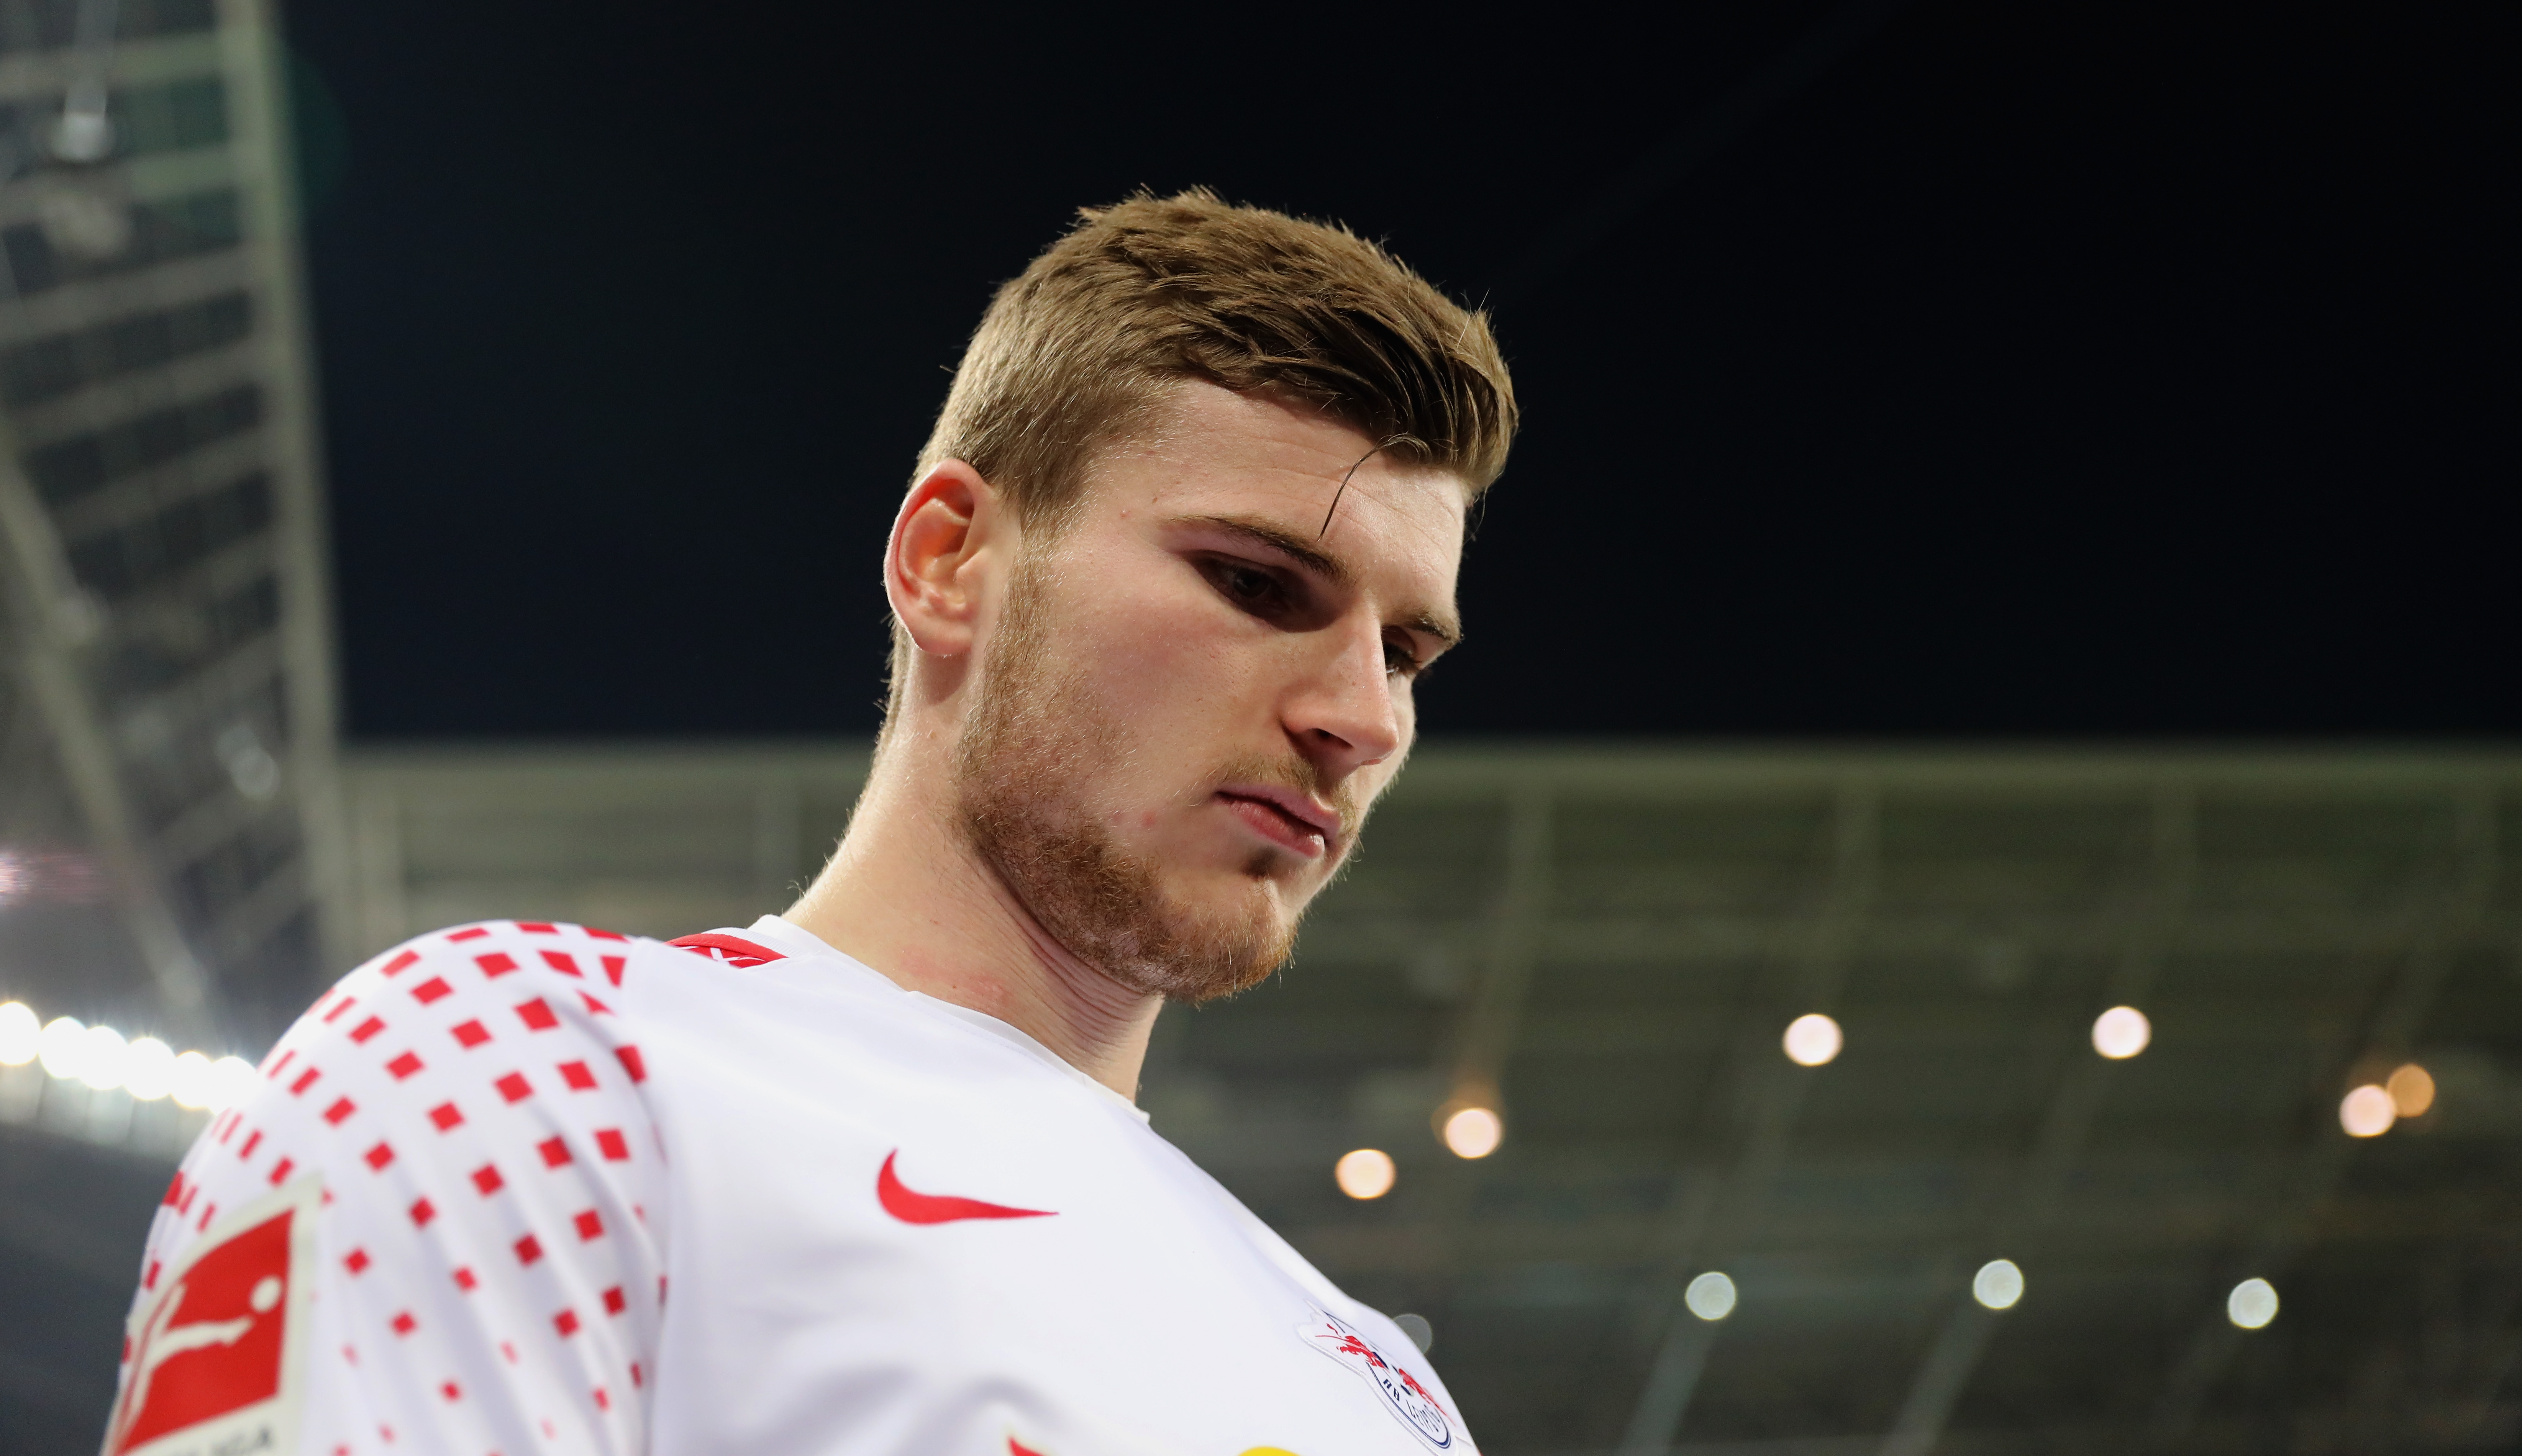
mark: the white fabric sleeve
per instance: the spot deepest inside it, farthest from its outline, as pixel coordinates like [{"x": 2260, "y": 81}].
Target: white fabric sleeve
[{"x": 487, "y": 1267}]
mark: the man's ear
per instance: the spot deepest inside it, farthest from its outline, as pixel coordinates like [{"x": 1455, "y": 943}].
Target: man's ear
[{"x": 933, "y": 564}]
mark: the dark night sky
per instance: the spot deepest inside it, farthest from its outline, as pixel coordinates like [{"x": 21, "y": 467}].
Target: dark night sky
[{"x": 2085, "y": 370}]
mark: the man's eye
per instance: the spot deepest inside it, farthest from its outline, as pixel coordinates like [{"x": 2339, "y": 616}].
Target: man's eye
[
  {"x": 1248, "y": 587},
  {"x": 1398, "y": 657}
]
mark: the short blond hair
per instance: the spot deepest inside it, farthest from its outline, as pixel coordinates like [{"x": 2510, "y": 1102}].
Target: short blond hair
[{"x": 1076, "y": 352}]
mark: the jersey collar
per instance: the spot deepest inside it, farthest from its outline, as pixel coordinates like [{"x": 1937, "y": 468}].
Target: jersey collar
[{"x": 798, "y": 942}]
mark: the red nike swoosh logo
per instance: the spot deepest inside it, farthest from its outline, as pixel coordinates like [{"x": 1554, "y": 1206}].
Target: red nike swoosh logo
[{"x": 931, "y": 1207}]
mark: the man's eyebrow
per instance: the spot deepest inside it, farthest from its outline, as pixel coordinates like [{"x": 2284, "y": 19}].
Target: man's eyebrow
[
  {"x": 1304, "y": 553},
  {"x": 1285, "y": 542},
  {"x": 1445, "y": 629}
]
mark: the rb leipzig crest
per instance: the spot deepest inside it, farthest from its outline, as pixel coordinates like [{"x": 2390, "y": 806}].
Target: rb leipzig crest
[{"x": 1411, "y": 1403}]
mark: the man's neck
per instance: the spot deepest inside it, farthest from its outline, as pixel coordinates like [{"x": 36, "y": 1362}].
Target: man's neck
[{"x": 907, "y": 895}]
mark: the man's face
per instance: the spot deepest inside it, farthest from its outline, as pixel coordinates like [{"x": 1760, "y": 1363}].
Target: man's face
[{"x": 1191, "y": 693}]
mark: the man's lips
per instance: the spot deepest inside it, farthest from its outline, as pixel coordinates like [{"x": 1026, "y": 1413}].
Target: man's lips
[{"x": 1288, "y": 819}]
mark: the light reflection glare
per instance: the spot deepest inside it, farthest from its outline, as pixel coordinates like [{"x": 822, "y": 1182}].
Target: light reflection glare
[
  {"x": 1366, "y": 1173},
  {"x": 2411, "y": 1089},
  {"x": 2252, "y": 1303},
  {"x": 1474, "y": 1132},
  {"x": 2121, "y": 1032},
  {"x": 1812, "y": 1039},
  {"x": 2367, "y": 1112},
  {"x": 22, "y": 1036}
]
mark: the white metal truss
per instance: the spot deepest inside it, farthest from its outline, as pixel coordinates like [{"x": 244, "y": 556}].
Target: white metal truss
[{"x": 161, "y": 505}]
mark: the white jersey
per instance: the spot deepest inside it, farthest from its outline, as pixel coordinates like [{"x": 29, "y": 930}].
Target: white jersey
[{"x": 522, "y": 1188}]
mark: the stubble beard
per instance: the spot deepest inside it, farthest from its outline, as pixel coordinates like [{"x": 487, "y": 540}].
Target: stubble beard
[{"x": 1035, "y": 732}]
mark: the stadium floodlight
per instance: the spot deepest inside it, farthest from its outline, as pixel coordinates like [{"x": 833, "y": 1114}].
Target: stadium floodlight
[
  {"x": 1422, "y": 1333},
  {"x": 2411, "y": 1089},
  {"x": 64, "y": 1042},
  {"x": 1998, "y": 1284},
  {"x": 148, "y": 1068},
  {"x": 191, "y": 1082},
  {"x": 1366, "y": 1173},
  {"x": 1711, "y": 1296},
  {"x": 1474, "y": 1132},
  {"x": 1812, "y": 1039},
  {"x": 22, "y": 1036},
  {"x": 2121, "y": 1032},
  {"x": 2367, "y": 1112},
  {"x": 2252, "y": 1303},
  {"x": 101, "y": 1060},
  {"x": 231, "y": 1080}
]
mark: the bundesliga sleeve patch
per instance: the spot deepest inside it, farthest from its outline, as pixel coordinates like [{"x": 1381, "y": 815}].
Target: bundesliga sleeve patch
[
  {"x": 218, "y": 1354},
  {"x": 1408, "y": 1401}
]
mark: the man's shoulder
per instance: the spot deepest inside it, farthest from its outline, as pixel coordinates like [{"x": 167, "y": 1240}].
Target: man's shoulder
[
  {"x": 466, "y": 1120},
  {"x": 587, "y": 963},
  {"x": 497, "y": 947},
  {"x": 474, "y": 987},
  {"x": 496, "y": 960}
]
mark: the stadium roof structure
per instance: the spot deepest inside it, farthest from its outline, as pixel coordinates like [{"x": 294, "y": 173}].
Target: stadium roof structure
[
  {"x": 1606, "y": 945},
  {"x": 166, "y": 712}
]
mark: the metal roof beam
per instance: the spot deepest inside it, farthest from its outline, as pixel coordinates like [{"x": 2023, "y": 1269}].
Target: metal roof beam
[
  {"x": 2400, "y": 1011},
  {"x": 1483, "y": 1035},
  {"x": 1681, "y": 1354},
  {"x": 2065, "y": 1127},
  {"x": 54, "y": 617}
]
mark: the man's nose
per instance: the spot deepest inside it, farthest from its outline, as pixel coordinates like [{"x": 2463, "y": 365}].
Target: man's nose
[{"x": 1344, "y": 717}]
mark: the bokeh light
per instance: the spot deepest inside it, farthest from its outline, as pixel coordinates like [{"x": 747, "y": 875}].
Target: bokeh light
[
  {"x": 2367, "y": 1112},
  {"x": 1711, "y": 1296},
  {"x": 2411, "y": 1089},
  {"x": 1422, "y": 1333},
  {"x": 232, "y": 1080},
  {"x": 190, "y": 1080},
  {"x": 1998, "y": 1284},
  {"x": 64, "y": 1039},
  {"x": 22, "y": 1036},
  {"x": 1366, "y": 1173},
  {"x": 101, "y": 1060},
  {"x": 2252, "y": 1303},
  {"x": 1812, "y": 1039},
  {"x": 1474, "y": 1132},
  {"x": 148, "y": 1068},
  {"x": 2121, "y": 1032}
]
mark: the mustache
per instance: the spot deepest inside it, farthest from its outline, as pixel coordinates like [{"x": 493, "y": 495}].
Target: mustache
[{"x": 1298, "y": 774}]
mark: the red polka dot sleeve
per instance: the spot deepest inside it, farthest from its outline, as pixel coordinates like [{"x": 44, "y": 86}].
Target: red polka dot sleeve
[{"x": 488, "y": 1268}]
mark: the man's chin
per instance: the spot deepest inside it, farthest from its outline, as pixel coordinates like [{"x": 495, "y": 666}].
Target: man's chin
[
  {"x": 1267, "y": 884},
  {"x": 1226, "y": 939}
]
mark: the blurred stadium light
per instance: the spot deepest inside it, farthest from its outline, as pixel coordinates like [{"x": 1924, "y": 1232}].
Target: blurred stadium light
[
  {"x": 166, "y": 761},
  {"x": 1588, "y": 956},
  {"x": 1608, "y": 940},
  {"x": 159, "y": 509}
]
